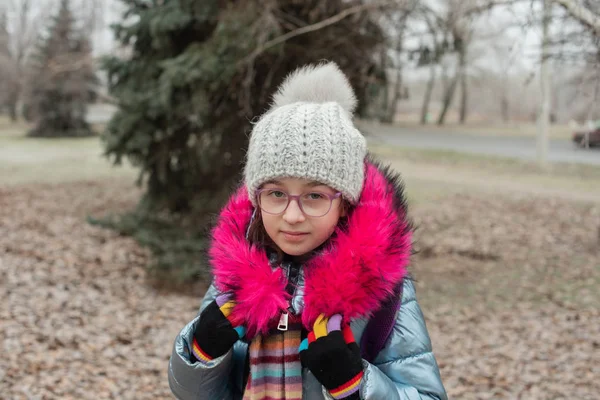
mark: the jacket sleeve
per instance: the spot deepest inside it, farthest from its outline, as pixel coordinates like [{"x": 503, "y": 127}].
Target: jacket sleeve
[
  {"x": 193, "y": 380},
  {"x": 406, "y": 368}
]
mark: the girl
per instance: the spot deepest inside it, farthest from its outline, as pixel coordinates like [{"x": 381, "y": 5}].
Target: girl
[{"x": 306, "y": 256}]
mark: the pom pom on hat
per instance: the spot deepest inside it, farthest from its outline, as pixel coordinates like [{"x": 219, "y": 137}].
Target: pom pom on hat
[{"x": 316, "y": 84}]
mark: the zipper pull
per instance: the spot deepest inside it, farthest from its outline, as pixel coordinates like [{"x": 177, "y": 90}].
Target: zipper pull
[{"x": 283, "y": 322}]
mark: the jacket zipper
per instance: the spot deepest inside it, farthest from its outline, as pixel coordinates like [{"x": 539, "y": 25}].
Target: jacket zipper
[{"x": 293, "y": 274}]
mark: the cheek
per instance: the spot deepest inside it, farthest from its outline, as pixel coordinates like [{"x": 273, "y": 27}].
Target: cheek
[
  {"x": 328, "y": 224},
  {"x": 269, "y": 223}
]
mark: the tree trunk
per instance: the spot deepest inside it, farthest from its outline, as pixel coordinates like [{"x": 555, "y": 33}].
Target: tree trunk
[
  {"x": 13, "y": 103},
  {"x": 381, "y": 113},
  {"x": 12, "y": 113},
  {"x": 448, "y": 97},
  {"x": 397, "y": 92},
  {"x": 464, "y": 93},
  {"x": 504, "y": 102},
  {"x": 445, "y": 83},
  {"x": 427, "y": 98},
  {"x": 543, "y": 122},
  {"x": 504, "y": 108},
  {"x": 393, "y": 105}
]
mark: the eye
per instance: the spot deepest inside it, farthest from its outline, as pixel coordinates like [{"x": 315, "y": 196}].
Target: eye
[
  {"x": 276, "y": 193},
  {"x": 316, "y": 196}
]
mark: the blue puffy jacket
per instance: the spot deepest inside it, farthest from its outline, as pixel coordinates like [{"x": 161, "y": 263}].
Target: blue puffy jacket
[{"x": 405, "y": 369}]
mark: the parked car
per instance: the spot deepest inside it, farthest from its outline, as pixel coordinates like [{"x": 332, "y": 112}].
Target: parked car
[{"x": 587, "y": 138}]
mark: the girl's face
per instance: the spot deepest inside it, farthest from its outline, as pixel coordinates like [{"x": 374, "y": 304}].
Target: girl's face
[{"x": 293, "y": 231}]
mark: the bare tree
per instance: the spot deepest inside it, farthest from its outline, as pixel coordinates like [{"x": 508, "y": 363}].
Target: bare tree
[
  {"x": 22, "y": 29},
  {"x": 7, "y": 70},
  {"x": 464, "y": 91},
  {"x": 428, "y": 92},
  {"x": 445, "y": 40},
  {"x": 430, "y": 57},
  {"x": 394, "y": 23},
  {"x": 506, "y": 60},
  {"x": 572, "y": 41},
  {"x": 544, "y": 115},
  {"x": 459, "y": 28},
  {"x": 577, "y": 46}
]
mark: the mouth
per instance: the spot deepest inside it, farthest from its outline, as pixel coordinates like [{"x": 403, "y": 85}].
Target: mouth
[
  {"x": 294, "y": 233},
  {"x": 293, "y": 236}
]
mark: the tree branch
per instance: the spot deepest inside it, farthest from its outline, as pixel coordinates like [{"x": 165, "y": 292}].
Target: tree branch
[
  {"x": 581, "y": 13},
  {"x": 487, "y": 5},
  {"x": 315, "y": 27}
]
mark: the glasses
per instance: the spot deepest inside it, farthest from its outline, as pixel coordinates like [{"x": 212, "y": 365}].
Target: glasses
[{"x": 313, "y": 204}]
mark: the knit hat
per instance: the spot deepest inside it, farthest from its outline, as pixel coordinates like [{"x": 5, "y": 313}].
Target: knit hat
[{"x": 308, "y": 133}]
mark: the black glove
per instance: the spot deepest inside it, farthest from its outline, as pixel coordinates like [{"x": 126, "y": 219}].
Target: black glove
[
  {"x": 214, "y": 334},
  {"x": 332, "y": 355}
]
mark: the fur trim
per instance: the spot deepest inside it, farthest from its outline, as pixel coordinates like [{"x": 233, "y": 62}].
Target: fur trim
[
  {"x": 244, "y": 270},
  {"x": 354, "y": 273},
  {"x": 316, "y": 84}
]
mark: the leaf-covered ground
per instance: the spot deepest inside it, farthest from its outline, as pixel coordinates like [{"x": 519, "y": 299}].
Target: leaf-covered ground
[{"x": 509, "y": 285}]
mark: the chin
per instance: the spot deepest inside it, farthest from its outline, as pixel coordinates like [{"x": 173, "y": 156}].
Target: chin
[
  {"x": 293, "y": 250},
  {"x": 299, "y": 249}
]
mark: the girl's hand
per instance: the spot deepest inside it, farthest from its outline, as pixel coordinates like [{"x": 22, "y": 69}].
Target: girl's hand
[
  {"x": 214, "y": 334},
  {"x": 332, "y": 355}
]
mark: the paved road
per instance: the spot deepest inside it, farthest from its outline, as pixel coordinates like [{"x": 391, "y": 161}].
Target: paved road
[{"x": 515, "y": 147}]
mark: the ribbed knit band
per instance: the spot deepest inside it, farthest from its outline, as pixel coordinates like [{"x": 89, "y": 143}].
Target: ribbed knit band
[
  {"x": 200, "y": 355},
  {"x": 350, "y": 388}
]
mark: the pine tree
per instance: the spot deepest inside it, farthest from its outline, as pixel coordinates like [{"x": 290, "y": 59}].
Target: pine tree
[
  {"x": 194, "y": 76},
  {"x": 186, "y": 92},
  {"x": 61, "y": 81}
]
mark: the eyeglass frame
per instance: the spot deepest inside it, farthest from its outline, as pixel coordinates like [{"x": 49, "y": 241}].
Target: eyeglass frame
[{"x": 296, "y": 197}]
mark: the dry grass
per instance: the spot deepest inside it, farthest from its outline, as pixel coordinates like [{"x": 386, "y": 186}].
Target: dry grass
[
  {"x": 38, "y": 160},
  {"x": 433, "y": 174}
]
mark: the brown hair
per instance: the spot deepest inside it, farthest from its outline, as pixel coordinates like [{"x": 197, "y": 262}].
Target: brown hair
[{"x": 257, "y": 234}]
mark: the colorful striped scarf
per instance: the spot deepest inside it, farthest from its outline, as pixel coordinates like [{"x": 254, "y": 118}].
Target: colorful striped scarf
[{"x": 275, "y": 368}]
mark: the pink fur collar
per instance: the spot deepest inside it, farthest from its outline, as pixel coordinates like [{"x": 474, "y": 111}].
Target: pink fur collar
[{"x": 353, "y": 274}]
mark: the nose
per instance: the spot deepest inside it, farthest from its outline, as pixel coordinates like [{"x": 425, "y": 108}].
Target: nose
[{"x": 293, "y": 214}]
